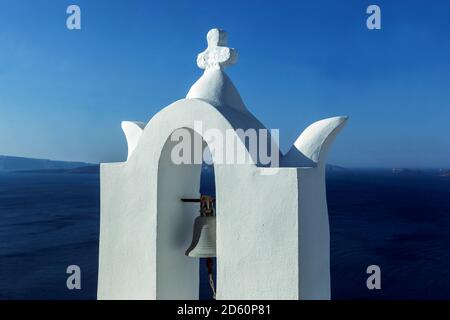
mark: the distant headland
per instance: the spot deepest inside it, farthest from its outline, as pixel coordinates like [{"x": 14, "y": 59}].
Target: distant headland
[
  {"x": 30, "y": 165},
  {"x": 410, "y": 171},
  {"x": 445, "y": 173}
]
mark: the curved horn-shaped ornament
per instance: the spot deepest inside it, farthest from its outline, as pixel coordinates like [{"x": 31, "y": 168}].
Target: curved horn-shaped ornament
[
  {"x": 312, "y": 146},
  {"x": 133, "y": 131}
]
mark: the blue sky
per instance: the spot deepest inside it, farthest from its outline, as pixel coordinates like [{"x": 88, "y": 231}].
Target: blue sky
[{"x": 64, "y": 93}]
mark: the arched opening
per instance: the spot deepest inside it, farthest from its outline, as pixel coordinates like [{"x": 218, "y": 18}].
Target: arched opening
[
  {"x": 179, "y": 276},
  {"x": 207, "y": 188}
]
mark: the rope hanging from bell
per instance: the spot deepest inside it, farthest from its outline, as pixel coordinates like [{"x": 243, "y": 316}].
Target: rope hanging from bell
[{"x": 209, "y": 266}]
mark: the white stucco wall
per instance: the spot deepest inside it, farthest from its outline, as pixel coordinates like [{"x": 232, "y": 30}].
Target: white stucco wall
[{"x": 257, "y": 234}]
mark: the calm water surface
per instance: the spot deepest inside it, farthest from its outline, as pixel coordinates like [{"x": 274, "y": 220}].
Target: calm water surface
[{"x": 399, "y": 222}]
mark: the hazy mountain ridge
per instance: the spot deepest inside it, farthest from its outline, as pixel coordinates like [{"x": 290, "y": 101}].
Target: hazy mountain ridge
[
  {"x": 32, "y": 165},
  {"x": 10, "y": 163},
  {"x": 93, "y": 169}
]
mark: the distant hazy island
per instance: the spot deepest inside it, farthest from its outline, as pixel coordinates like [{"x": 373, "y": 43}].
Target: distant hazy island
[
  {"x": 92, "y": 169},
  {"x": 410, "y": 171},
  {"x": 445, "y": 173},
  {"x": 30, "y": 165},
  {"x": 406, "y": 171}
]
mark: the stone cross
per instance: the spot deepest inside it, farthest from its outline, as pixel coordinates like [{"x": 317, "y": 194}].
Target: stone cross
[{"x": 217, "y": 54}]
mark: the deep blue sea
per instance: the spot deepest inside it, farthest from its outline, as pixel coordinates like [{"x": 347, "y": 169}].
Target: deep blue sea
[{"x": 400, "y": 222}]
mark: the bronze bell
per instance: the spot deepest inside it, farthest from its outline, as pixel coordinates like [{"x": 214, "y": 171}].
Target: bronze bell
[{"x": 204, "y": 239}]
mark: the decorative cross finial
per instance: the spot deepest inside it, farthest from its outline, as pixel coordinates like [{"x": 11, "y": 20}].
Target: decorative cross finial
[{"x": 217, "y": 54}]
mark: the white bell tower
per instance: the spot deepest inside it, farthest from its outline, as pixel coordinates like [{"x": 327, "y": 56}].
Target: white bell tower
[{"x": 273, "y": 239}]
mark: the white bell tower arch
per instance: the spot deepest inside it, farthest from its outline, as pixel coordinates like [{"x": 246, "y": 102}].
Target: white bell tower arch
[{"x": 273, "y": 238}]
